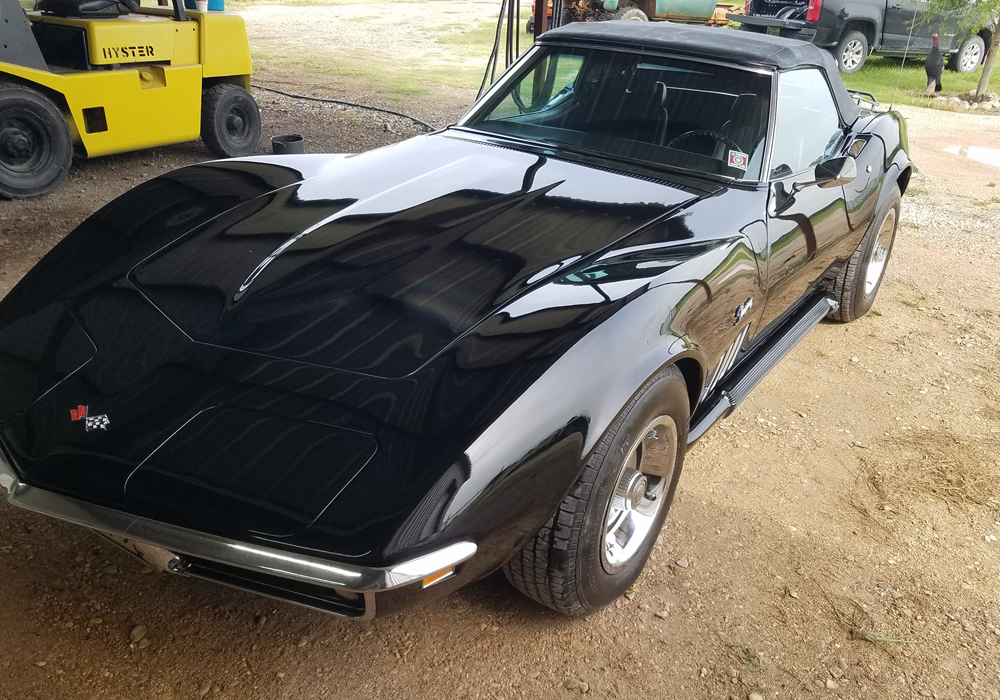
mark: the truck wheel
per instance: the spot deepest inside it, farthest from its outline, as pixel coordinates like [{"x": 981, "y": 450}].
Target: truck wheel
[
  {"x": 969, "y": 55},
  {"x": 36, "y": 148},
  {"x": 230, "y": 121},
  {"x": 861, "y": 277},
  {"x": 529, "y": 26},
  {"x": 596, "y": 544},
  {"x": 631, "y": 14},
  {"x": 851, "y": 52}
]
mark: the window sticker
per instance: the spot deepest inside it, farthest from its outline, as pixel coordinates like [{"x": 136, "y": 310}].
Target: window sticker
[{"x": 738, "y": 160}]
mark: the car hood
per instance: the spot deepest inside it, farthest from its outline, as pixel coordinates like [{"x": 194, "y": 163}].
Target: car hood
[
  {"x": 379, "y": 264},
  {"x": 262, "y": 342}
]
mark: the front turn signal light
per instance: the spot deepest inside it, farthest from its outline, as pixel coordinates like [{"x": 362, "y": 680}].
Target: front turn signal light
[{"x": 438, "y": 577}]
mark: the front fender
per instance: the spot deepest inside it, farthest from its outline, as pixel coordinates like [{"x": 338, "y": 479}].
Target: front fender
[{"x": 522, "y": 465}]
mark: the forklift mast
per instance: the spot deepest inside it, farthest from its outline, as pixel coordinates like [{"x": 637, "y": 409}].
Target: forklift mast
[{"x": 17, "y": 43}]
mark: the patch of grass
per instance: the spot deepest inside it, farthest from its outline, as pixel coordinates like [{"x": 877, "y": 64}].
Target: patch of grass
[
  {"x": 859, "y": 623},
  {"x": 366, "y": 18},
  {"x": 875, "y": 312},
  {"x": 750, "y": 658},
  {"x": 386, "y": 76},
  {"x": 919, "y": 300},
  {"x": 879, "y": 75},
  {"x": 991, "y": 184},
  {"x": 960, "y": 472}
]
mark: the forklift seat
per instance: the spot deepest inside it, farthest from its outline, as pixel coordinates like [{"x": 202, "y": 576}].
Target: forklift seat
[{"x": 87, "y": 8}]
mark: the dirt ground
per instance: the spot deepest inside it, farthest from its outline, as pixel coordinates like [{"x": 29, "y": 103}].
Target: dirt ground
[{"x": 836, "y": 537}]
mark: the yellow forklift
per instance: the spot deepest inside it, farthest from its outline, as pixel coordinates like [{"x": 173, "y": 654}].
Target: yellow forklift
[{"x": 97, "y": 77}]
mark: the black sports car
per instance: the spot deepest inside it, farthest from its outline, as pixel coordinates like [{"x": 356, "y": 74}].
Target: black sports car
[{"x": 354, "y": 382}]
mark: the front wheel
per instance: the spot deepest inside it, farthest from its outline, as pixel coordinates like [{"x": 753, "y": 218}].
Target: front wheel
[
  {"x": 596, "y": 544},
  {"x": 230, "y": 121},
  {"x": 36, "y": 148},
  {"x": 851, "y": 52},
  {"x": 861, "y": 278},
  {"x": 969, "y": 55}
]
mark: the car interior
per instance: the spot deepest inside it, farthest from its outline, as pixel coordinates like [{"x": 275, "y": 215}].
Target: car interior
[{"x": 682, "y": 113}]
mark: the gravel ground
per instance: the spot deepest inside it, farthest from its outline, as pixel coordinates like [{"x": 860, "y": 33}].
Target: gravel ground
[{"x": 831, "y": 539}]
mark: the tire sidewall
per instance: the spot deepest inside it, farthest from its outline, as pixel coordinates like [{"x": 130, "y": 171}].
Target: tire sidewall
[
  {"x": 596, "y": 587},
  {"x": 842, "y": 46},
  {"x": 964, "y": 48},
  {"x": 237, "y": 96},
  {"x": 631, "y": 14},
  {"x": 49, "y": 120},
  {"x": 863, "y": 303}
]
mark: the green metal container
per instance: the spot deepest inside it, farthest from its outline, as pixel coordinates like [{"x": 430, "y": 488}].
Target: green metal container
[{"x": 677, "y": 10}]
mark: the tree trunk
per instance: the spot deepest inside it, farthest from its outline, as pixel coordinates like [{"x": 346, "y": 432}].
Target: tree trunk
[{"x": 991, "y": 54}]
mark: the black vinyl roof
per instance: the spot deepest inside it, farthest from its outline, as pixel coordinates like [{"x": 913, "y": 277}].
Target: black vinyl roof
[{"x": 714, "y": 43}]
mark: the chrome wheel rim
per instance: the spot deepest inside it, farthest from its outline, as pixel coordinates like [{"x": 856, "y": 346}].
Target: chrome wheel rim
[
  {"x": 852, "y": 54},
  {"x": 970, "y": 59},
  {"x": 880, "y": 253},
  {"x": 640, "y": 493}
]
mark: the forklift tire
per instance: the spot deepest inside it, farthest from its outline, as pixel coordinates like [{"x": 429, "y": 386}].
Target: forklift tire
[
  {"x": 230, "y": 121},
  {"x": 36, "y": 148}
]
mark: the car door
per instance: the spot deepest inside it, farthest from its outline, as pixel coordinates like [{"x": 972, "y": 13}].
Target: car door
[
  {"x": 807, "y": 230},
  {"x": 899, "y": 15}
]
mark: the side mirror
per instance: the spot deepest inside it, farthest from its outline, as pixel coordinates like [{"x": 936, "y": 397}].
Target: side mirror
[{"x": 831, "y": 173}]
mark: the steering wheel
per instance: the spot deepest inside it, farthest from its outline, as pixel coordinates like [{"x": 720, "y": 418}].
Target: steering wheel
[{"x": 721, "y": 138}]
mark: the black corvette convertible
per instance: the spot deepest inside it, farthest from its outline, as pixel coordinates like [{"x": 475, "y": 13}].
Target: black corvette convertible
[{"x": 355, "y": 382}]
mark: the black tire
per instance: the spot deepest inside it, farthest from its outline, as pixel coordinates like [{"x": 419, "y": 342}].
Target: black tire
[
  {"x": 852, "y": 51},
  {"x": 230, "y": 121},
  {"x": 36, "y": 148},
  {"x": 529, "y": 26},
  {"x": 630, "y": 14},
  {"x": 851, "y": 288},
  {"x": 969, "y": 56},
  {"x": 563, "y": 566}
]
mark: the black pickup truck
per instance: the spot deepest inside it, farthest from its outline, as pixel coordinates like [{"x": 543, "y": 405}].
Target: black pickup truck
[{"x": 856, "y": 29}]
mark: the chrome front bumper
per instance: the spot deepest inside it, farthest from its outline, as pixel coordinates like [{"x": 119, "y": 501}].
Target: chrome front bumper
[{"x": 183, "y": 546}]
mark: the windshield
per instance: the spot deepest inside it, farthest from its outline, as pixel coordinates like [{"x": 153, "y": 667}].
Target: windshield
[{"x": 663, "y": 111}]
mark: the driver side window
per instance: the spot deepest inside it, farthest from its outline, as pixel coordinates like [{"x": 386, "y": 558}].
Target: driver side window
[{"x": 807, "y": 128}]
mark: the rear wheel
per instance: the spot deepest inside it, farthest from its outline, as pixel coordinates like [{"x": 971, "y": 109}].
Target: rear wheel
[
  {"x": 631, "y": 14},
  {"x": 36, "y": 148},
  {"x": 969, "y": 55},
  {"x": 861, "y": 278},
  {"x": 851, "y": 52},
  {"x": 230, "y": 121},
  {"x": 596, "y": 544}
]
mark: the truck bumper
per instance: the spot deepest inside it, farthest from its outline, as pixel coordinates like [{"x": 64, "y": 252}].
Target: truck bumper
[{"x": 789, "y": 28}]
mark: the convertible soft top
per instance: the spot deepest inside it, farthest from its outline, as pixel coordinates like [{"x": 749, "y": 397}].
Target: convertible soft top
[{"x": 744, "y": 48}]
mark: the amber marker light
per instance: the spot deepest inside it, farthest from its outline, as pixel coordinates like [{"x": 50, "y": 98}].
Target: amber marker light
[{"x": 438, "y": 577}]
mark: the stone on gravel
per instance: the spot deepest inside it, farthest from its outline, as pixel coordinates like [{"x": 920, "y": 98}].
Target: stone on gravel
[
  {"x": 682, "y": 563},
  {"x": 577, "y": 685},
  {"x": 831, "y": 684},
  {"x": 301, "y": 641},
  {"x": 137, "y": 633},
  {"x": 662, "y": 614},
  {"x": 755, "y": 696},
  {"x": 204, "y": 688}
]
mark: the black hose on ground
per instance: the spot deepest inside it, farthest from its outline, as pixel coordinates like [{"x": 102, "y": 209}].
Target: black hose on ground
[{"x": 358, "y": 105}]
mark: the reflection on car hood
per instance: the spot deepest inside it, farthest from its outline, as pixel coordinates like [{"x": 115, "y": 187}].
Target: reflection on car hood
[{"x": 379, "y": 263}]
